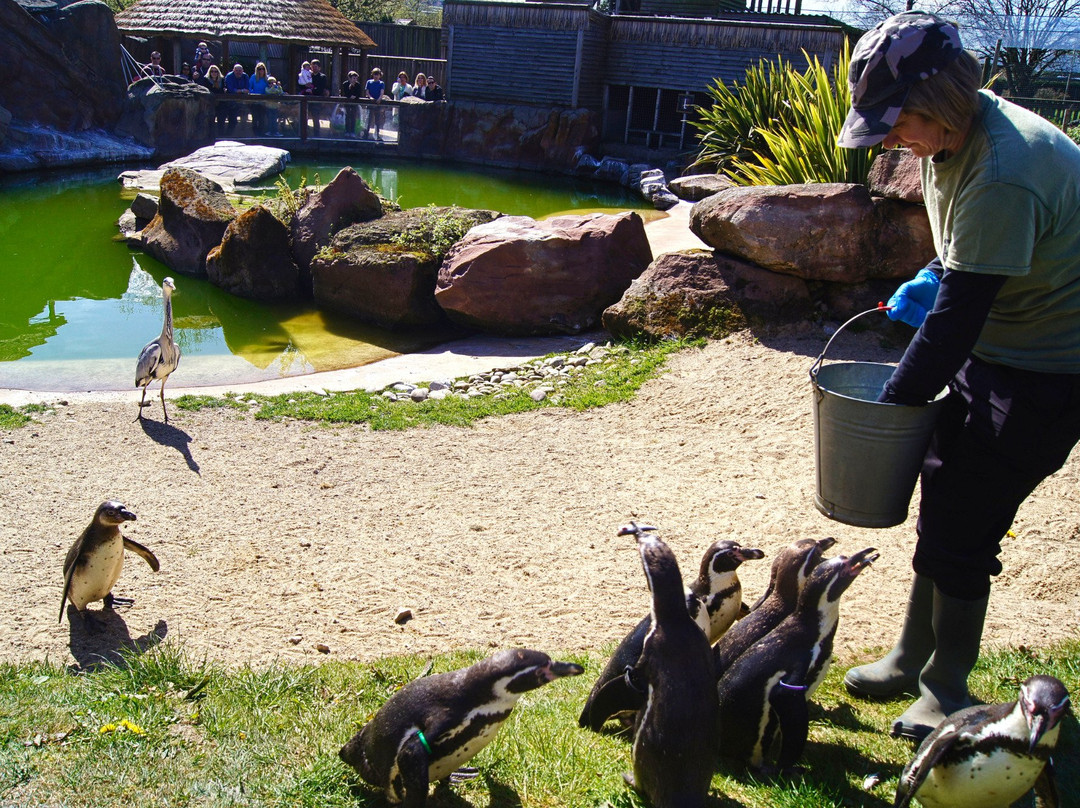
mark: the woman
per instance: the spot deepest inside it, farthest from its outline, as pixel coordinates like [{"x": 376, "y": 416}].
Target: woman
[
  {"x": 215, "y": 83},
  {"x": 401, "y": 87},
  {"x": 420, "y": 86},
  {"x": 257, "y": 85},
  {"x": 998, "y": 318}
]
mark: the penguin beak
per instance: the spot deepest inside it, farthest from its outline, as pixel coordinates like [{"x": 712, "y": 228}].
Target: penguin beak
[
  {"x": 863, "y": 559},
  {"x": 826, "y": 543},
  {"x": 748, "y": 553},
  {"x": 1038, "y": 726},
  {"x": 558, "y": 669},
  {"x": 127, "y": 515}
]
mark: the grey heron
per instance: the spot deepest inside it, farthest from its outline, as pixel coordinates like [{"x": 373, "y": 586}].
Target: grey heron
[{"x": 160, "y": 356}]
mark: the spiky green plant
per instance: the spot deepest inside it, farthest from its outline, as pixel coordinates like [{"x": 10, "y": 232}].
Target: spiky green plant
[{"x": 794, "y": 141}]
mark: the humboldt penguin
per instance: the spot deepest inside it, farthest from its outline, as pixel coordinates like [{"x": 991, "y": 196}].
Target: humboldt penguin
[
  {"x": 714, "y": 600},
  {"x": 94, "y": 562},
  {"x": 790, "y": 569},
  {"x": 766, "y": 689},
  {"x": 990, "y": 755},
  {"x": 675, "y": 745},
  {"x": 435, "y": 724}
]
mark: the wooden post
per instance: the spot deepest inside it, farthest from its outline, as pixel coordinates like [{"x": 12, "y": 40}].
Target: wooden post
[{"x": 177, "y": 62}]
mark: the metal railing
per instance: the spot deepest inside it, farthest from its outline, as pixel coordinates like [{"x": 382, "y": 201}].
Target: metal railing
[
  {"x": 303, "y": 117},
  {"x": 1063, "y": 114}
]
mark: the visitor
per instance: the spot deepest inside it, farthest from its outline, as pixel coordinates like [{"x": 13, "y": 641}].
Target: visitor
[
  {"x": 274, "y": 109},
  {"x": 320, "y": 88},
  {"x": 434, "y": 91},
  {"x": 420, "y": 86},
  {"x": 236, "y": 83},
  {"x": 303, "y": 79},
  {"x": 351, "y": 90},
  {"x": 401, "y": 87},
  {"x": 376, "y": 91},
  {"x": 257, "y": 86},
  {"x": 202, "y": 54},
  {"x": 998, "y": 319},
  {"x": 185, "y": 69},
  {"x": 153, "y": 67}
]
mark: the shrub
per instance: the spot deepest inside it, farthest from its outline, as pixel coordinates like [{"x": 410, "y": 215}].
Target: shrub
[{"x": 781, "y": 126}]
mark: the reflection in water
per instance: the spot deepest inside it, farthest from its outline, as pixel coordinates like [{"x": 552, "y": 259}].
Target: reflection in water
[{"x": 77, "y": 305}]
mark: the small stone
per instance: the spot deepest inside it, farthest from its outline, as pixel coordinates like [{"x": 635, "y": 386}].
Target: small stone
[
  {"x": 539, "y": 394},
  {"x": 296, "y": 639},
  {"x": 418, "y": 394},
  {"x": 439, "y": 386},
  {"x": 322, "y": 648},
  {"x": 584, "y": 349},
  {"x": 438, "y": 395},
  {"x": 403, "y": 616},
  {"x": 554, "y": 361}
]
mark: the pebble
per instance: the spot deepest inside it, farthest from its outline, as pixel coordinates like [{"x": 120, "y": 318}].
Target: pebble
[
  {"x": 322, "y": 648},
  {"x": 403, "y": 616}
]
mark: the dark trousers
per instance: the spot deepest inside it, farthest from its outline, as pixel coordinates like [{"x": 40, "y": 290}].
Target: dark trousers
[{"x": 1001, "y": 432}]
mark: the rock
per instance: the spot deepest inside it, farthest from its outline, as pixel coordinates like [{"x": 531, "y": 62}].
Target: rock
[
  {"x": 896, "y": 174},
  {"x": 227, "y": 163},
  {"x": 191, "y": 220},
  {"x": 586, "y": 164},
  {"x": 253, "y": 260},
  {"x": 128, "y": 223},
  {"x": 144, "y": 206},
  {"x": 827, "y": 231},
  {"x": 322, "y": 648},
  {"x": 170, "y": 114},
  {"x": 611, "y": 169},
  {"x": 345, "y": 200},
  {"x": 700, "y": 294},
  {"x": 62, "y": 71},
  {"x": 636, "y": 172},
  {"x": 519, "y": 276},
  {"x": 296, "y": 639},
  {"x": 403, "y": 616},
  {"x": 903, "y": 243},
  {"x": 365, "y": 274},
  {"x": 698, "y": 186}
]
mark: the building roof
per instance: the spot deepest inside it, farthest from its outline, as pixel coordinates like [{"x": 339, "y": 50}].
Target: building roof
[{"x": 313, "y": 22}]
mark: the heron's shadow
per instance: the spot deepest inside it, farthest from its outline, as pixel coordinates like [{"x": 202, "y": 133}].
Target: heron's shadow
[
  {"x": 169, "y": 435},
  {"x": 111, "y": 642}
]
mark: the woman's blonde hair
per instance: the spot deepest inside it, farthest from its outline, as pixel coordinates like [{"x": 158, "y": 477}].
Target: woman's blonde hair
[{"x": 950, "y": 96}]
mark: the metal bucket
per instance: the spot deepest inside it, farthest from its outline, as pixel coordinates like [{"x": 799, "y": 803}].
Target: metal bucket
[{"x": 868, "y": 455}]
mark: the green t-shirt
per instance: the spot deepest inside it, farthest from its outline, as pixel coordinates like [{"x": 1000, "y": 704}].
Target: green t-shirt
[{"x": 1008, "y": 203}]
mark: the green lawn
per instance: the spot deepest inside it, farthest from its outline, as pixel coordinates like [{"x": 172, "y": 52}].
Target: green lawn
[{"x": 167, "y": 729}]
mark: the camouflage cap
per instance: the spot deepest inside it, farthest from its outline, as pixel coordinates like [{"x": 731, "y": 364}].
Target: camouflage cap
[{"x": 887, "y": 61}]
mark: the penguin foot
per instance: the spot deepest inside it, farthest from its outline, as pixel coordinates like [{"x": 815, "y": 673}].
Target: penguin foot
[
  {"x": 464, "y": 774},
  {"x": 628, "y": 778},
  {"x": 111, "y": 600}
]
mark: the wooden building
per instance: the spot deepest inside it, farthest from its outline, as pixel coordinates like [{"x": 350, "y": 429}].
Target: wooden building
[
  {"x": 641, "y": 72},
  {"x": 284, "y": 29}
]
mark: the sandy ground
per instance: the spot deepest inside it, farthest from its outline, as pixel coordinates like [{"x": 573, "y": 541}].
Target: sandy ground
[{"x": 278, "y": 537}]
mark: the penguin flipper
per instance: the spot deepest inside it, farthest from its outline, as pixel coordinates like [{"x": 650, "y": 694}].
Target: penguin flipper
[
  {"x": 135, "y": 547},
  {"x": 616, "y": 696},
  {"x": 1046, "y": 790},
  {"x": 413, "y": 761},
  {"x": 67, "y": 588},
  {"x": 930, "y": 751}
]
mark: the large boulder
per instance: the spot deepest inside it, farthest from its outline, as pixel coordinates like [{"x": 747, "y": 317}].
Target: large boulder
[
  {"x": 227, "y": 162},
  {"x": 65, "y": 73},
  {"x": 896, "y": 174},
  {"x": 517, "y": 276},
  {"x": 700, "y": 294},
  {"x": 695, "y": 187},
  {"x": 827, "y": 231},
  {"x": 345, "y": 200},
  {"x": 370, "y": 273},
  {"x": 253, "y": 259},
  {"x": 170, "y": 114},
  {"x": 193, "y": 213}
]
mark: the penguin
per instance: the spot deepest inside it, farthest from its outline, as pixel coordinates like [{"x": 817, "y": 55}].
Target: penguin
[
  {"x": 433, "y": 725},
  {"x": 788, "y": 575},
  {"x": 675, "y": 743},
  {"x": 94, "y": 562},
  {"x": 990, "y": 755},
  {"x": 714, "y": 600},
  {"x": 766, "y": 689}
]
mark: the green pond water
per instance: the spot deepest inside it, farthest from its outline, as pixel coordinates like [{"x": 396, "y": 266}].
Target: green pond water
[{"x": 76, "y": 306}]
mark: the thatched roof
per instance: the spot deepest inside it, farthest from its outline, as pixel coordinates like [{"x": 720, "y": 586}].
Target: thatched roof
[{"x": 313, "y": 22}]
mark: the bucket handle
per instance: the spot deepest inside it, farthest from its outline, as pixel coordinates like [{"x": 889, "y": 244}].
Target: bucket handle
[{"x": 814, "y": 368}]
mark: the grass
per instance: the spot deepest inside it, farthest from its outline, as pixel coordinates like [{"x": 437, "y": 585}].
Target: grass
[
  {"x": 201, "y": 734},
  {"x": 617, "y": 378}
]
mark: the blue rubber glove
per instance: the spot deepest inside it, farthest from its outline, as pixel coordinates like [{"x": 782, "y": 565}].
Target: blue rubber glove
[{"x": 914, "y": 299}]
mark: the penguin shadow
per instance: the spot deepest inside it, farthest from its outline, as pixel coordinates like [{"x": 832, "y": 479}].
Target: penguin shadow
[
  {"x": 169, "y": 435},
  {"x": 443, "y": 795},
  {"x": 843, "y": 715},
  {"x": 110, "y": 642}
]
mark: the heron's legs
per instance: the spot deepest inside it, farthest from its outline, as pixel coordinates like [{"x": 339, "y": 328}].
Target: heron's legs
[
  {"x": 142, "y": 403},
  {"x": 163, "y": 399}
]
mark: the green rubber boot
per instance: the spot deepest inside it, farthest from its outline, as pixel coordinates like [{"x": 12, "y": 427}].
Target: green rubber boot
[
  {"x": 897, "y": 672},
  {"x": 958, "y": 626}
]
